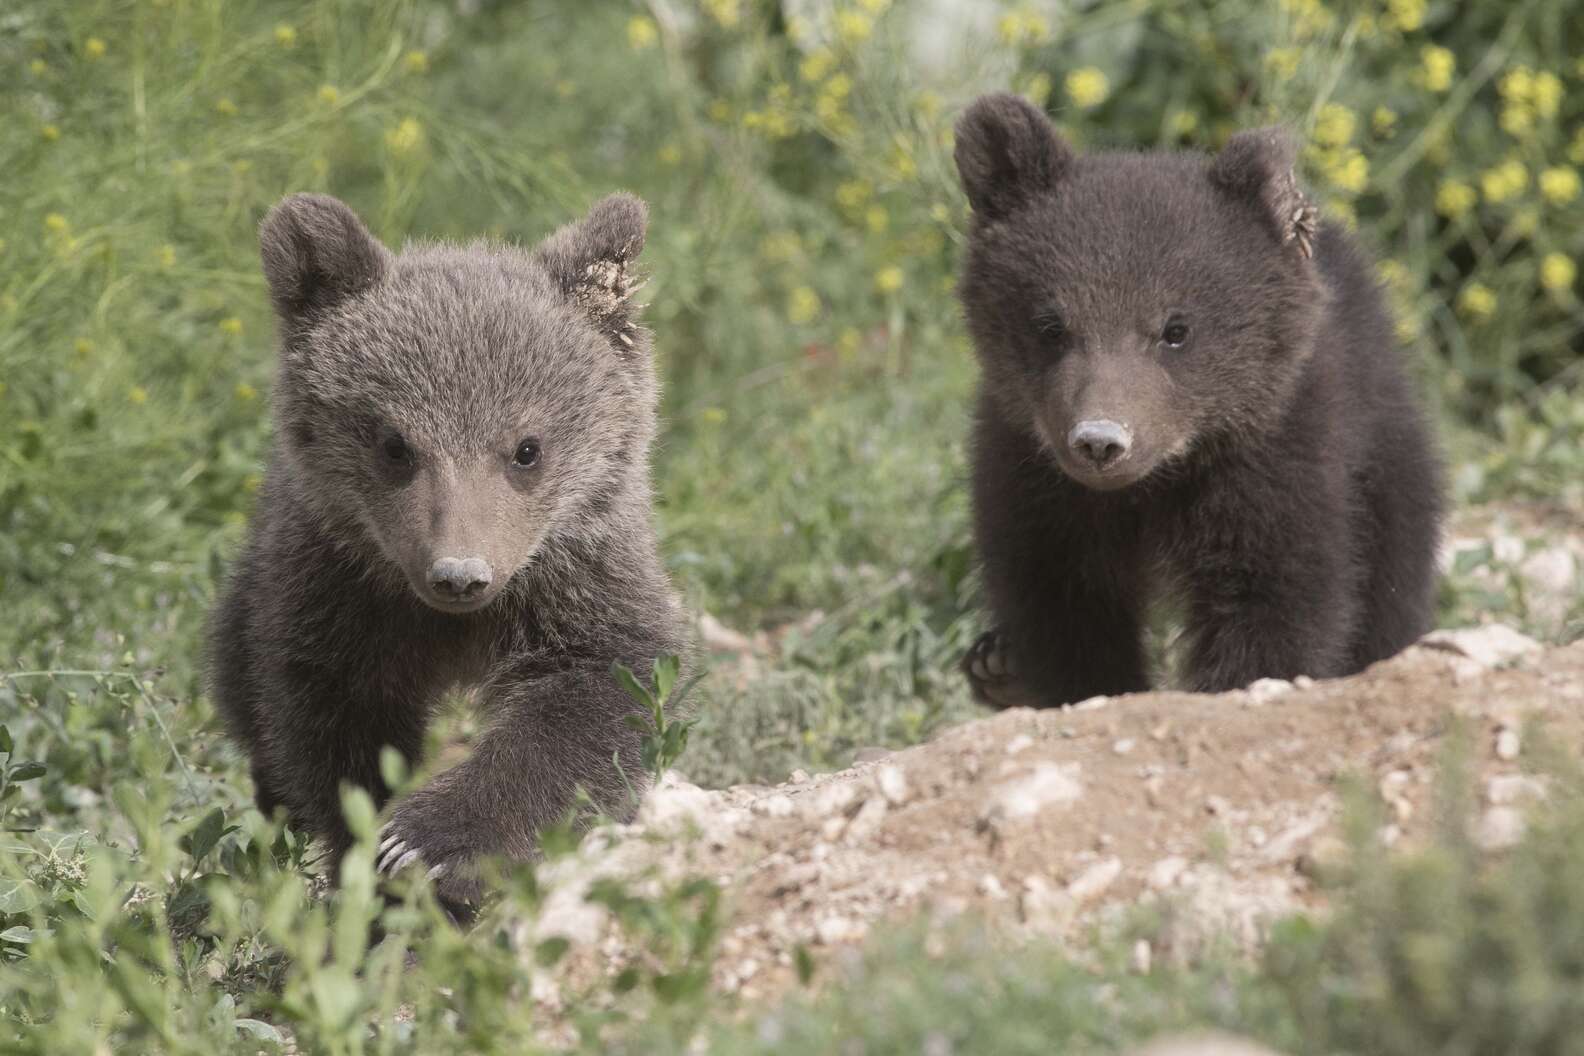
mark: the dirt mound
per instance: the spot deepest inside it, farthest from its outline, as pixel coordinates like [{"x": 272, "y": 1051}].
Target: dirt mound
[{"x": 1217, "y": 808}]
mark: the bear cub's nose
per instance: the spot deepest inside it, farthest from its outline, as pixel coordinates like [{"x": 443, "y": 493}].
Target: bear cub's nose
[
  {"x": 459, "y": 578},
  {"x": 1103, "y": 442}
]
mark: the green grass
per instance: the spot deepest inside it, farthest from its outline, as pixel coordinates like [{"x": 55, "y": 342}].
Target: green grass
[{"x": 805, "y": 227}]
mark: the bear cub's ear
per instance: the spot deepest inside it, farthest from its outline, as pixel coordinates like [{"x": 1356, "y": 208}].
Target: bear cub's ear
[
  {"x": 1006, "y": 153},
  {"x": 1258, "y": 166},
  {"x": 317, "y": 253},
  {"x": 593, "y": 260}
]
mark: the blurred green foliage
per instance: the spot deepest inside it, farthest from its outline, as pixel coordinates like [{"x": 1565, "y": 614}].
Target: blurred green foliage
[{"x": 805, "y": 228}]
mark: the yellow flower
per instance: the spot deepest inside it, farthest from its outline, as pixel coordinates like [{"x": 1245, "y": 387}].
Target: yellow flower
[
  {"x": 1559, "y": 184},
  {"x": 231, "y": 326},
  {"x": 1477, "y": 301},
  {"x": 1350, "y": 171},
  {"x": 1436, "y": 67},
  {"x": 137, "y": 394},
  {"x": 57, "y": 223},
  {"x": 50, "y": 132},
  {"x": 853, "y": 26},
  {"x": 1038, "y": 89},
  {"x": 1282, "y": 62},
  {"x": 1183, "y": 122},
  {"x": 1505, "y": 181},
  {"x": 225, "y": 106},
  {"x": 1516, "y": 119},
  {"x": 712, "y": 415},
  {"x": 877, "y": 219},
  {"x": 1022, "y": 27},
  {"x": 245, "y": 392},
  {"x": 1334, "y": 125},
  {"x": 94, "y": 48},
  {"x": 803, "y": 306},
  {"x": 38, "y": 67},
  {"x": 285, "y": 35},
  {"x": 329, "y": 94},
  {"x": 405, "y": 137},
  {"x": 888, "y": 279},
  {"x": 1087, "y": 87},
  {"x": 1516, "y": 84},
  {"x": 83, "y": 347},
  {"x": 669, "y": 154},
  {"x": 415, "y": 62},
  {"x": 1383, "y": 122},
  {"x": 166, "y": 255},
  {"x": 1557, "y": 272},
  {"x": 850, "y": 194},
  {"x": 1454, "y": 198},
  {"x": 1406, "y": 15},
  {"x": 641, "y": 32},
  {"x": 1547, "y": 93},
  {"x": 816, "y": 64},
  {"x": 723, "y": 11}
]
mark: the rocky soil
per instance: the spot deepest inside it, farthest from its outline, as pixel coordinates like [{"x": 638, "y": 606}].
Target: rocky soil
[{"x": 1217, "y": 810}]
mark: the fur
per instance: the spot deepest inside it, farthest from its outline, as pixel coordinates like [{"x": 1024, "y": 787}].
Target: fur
[
  {"x": 1279, "y": 472},
  {"x": 330, "y": 640}
]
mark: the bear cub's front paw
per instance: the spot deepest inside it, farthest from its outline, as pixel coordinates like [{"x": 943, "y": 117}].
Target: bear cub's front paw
[
  {"x": 992, "y": 675},
  {"x": 411, "y": 838}
]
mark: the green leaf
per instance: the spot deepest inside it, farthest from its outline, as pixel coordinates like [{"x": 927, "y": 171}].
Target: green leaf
[
  {"x": 666, "y": 668},
  {"x": 257, "y": 1028},
  {"x": 28, "y": 771},
  {"x": 5, "y": 739},
  {"x": 20, "y": 934},
  {"x": 630, "y": 684},
  {"x": 551, "y": 950},
  {"x": 207, "y": 833},
  {"x": 805, "y": 964},
  {"x": 626, "y": 980}
]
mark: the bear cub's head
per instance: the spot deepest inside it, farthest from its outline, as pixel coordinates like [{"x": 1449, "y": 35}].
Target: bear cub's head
[
  {"x": 1130, "y": 308},
  {"x": 452, "y": 408}
]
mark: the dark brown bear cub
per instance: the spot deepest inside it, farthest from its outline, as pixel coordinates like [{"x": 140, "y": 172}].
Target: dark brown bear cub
[
  {"x": 1189, "y": 389},
  {"x": 459, "y": 496}
]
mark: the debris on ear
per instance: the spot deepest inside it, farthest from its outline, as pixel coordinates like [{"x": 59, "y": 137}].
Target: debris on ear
[
  {"x": 1006, "y": 153},
  {"x": 594, "y": 259},
  {"x": 316, "y": 253},
  {"x": 1259, "y": 167}
]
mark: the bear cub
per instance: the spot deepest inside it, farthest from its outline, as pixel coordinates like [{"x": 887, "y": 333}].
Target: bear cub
[
  {"x": 458, "y": 496},
  {"x": 1189, "y": 390}
]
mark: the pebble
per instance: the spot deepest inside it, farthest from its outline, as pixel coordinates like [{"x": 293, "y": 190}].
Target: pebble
[
  {"x": 1093, "y": 881},
  {"x": 892, "y": 783},
  {"x": 1507, "y": 743},
  {"x": 1048, "y": 784}
]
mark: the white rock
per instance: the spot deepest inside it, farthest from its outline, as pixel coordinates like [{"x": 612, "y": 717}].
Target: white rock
[
  {"x": 1047, "y": 785},
  {"x": 1505, "y": 790},
  {"x": 1487, "y": 646},
  {"x": 1093, "y": 881},
  {"x": 1018, "y": 743},
  {"x": 779, "y": 805},
  {"x": 1123, "y": 746},
  {"x": 1265, "y": 690},
  {"x": 892, "y": 783},
  {"x": 1508, "y": 549},
  {"x": 833, "y": 929},
  {"x": 990, "y": 887},
  {"x": 1143, "y": 956},
  {"x": 834, "y": 798},
  {"x": 673, "y": 803},
  {"x": 1164, "y": 873},
  {"x": 1499, "y": 828},
  {"x": 1508, "y": 744}
]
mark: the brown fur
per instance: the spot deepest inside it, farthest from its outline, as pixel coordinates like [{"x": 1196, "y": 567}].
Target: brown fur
[
  {"x": 1272, "y": 465},
  {"x": 408, "y": 383}
]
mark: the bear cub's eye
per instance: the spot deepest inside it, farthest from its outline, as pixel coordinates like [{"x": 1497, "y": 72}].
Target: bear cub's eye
[
  {"x": 527, "y": 454},
  {"x": 394, "y": 448},
  {"x": 1050, "y": 324},
  {"x": 1175, "y": 333}
]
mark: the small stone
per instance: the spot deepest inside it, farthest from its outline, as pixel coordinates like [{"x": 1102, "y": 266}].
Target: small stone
[
  {"x": 1303, "y": 682},
  {"x": 1048, "y": 784},
  {"x": 867, "y": 821},
  {"x": 798, "y": 777},
  {"x": 1164, "y": 873},
  {"x": 1123, "y": 747},
  {"x": 1325, "y": 856},
  {"x": 1488, "y": 646},
  {"x": 1093, "y": 881},
  {"x": 990, "y": 887},
  {"x": 834, "y": 798},
  {"x": 892, "y": 783},
  {"x": 779, "y": 805},
  {"x": 1506, "y": 790},
  {"x": 1508, "y": 743},
  {"x": 1265, "y": 690},
  {"x": 1499, "y": 828},
  {"x": 1508, "y": 549},
  {"x": 1090, "y": 704},
  {"x": 1018, "y": 743},
  {"x": 1143, "y": 956},
  {"x": 833, "y": 929}
]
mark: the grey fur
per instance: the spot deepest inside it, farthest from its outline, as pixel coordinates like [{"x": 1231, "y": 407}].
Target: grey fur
[
  {"x": 330, "y": 640},
  {"x": 1277, "y": 470}
]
